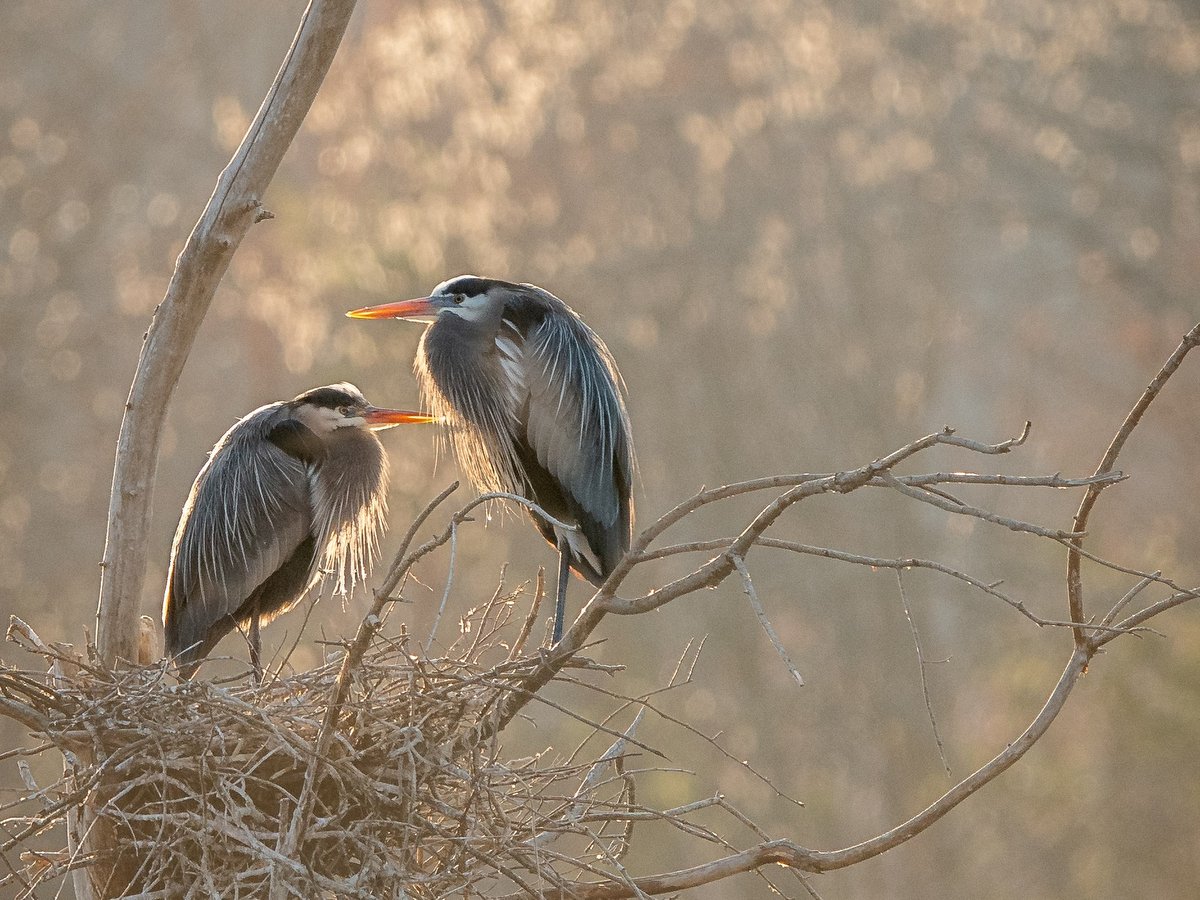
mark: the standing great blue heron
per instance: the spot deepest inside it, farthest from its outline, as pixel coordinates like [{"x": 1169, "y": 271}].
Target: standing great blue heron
[
  {"x": 293, "y": 491},
  {"x": 533, "y": 402}
]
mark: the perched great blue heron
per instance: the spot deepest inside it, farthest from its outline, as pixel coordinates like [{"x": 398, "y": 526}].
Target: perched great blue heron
[
  {"x": 533, "y": 402},
  {"x": 293, "y": 491}
]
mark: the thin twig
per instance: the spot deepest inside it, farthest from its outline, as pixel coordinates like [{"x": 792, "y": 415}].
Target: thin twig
[
  {"x": 394, "y": 573},
  {"x": 1133, "y": 622},
  {"x": 487, "y": 611},
  {"x": 760, "y": 613},
  {"x": 976, "y": 512},
  {"x": 912, "y": 624},
  {"x": 1141, "y": 585},
  {"x": 873, "y": 562},
  {"x": 1055, "y": 481},
  {"x": 446, "y": 592}
]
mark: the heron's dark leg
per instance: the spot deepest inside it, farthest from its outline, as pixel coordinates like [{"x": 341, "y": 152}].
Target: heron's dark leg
[
  {"x": 564, "y": 573},
  {"x": 255, "y": 648}
]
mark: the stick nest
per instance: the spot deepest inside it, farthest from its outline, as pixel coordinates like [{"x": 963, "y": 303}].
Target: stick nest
[{"x": 235, "y": 790}]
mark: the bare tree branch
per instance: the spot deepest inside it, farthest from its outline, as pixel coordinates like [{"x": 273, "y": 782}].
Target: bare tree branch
[
  {"x": 1074, "y": 579},
  {"x": 788, "y": 853},
  {"x": 1051, "y": 481},
  {"x": 718, "y": 569},
  {"x": 761, "y": 615},
  {"x": 1135, "y": 621},
  {"x": 600, "y": 813},
  {"x": 925, "y": 495},
  {"x": 921, "y": 666},
  {"x": 235, "y": 205},
  {"x": 1142, "y": 584},
  {"x": 731, "y": 558},
  {"x": 874, "y": 562}
]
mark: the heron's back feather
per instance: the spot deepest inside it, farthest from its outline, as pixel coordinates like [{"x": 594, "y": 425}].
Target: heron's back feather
[
  {"x": 273, "y": 509},
  {"x": 533, "y": 404},
  {"x": 246, "y": 515}
]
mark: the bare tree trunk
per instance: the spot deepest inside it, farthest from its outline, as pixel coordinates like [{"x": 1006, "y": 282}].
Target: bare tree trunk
[{"x": 235, "y": 205}]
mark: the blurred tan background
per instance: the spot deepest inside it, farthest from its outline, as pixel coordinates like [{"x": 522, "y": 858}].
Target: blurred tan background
[{"x": 809, "y": 232}]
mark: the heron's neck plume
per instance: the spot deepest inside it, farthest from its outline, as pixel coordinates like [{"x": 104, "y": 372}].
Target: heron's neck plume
[
  {"x": 350, "y": 506},
  {"x": 462, "y": 371}
]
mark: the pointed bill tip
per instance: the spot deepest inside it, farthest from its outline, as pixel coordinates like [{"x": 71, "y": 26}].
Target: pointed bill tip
[
  {"x": 376, "y": 416},
  {"x": 400, "y": 309},
  {"x": 366, "y": 312}
]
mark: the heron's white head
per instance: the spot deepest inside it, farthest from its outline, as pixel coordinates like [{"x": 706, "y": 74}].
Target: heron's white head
[{"x": 325, "y": 409}]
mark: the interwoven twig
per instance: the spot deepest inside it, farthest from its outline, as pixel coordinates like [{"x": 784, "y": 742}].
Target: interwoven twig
[{"x": 203, "y": 780}]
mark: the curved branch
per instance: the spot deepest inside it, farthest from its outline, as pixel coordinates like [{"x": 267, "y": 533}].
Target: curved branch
[
  {"x": 712, "y": 573},
  {"x": 715, "y": 571},
  {"x": 1074, "y": 579},
  {"x": 788, "y": 853},
  {"x": 235, "y": 205}
]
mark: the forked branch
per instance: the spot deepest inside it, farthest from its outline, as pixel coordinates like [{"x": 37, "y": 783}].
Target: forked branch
[
  {"x": 716, "y": 570},
  {"x": 924, "y": 488},
  {"x": 329, "y": 750},
  {"x": 1074, "y": 556}
]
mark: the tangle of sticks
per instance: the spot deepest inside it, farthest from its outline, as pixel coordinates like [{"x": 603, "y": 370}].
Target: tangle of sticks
[{"x": 382, "y": 772}]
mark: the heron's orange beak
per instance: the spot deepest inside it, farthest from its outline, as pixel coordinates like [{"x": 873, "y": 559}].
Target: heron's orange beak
[
  {"x": 422, "y": 307},
  {"x": 377, "y": 418}
]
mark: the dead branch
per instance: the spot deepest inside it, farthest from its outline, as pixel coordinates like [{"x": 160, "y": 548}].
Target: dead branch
[
  {"x": 761, "y": 615},
  {"x": 1074, "y": 578},
  {"x": 235, "y": 205},
  {"x": 921, "y": 488},
  {"x": 716, "y": 570},
  {"x": 921, "y": 666},
  {"x": 788, "y": 853},
  {"x": 384, "y": 767}
]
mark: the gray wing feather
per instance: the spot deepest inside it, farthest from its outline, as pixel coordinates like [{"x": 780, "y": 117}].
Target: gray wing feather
[
  {"x": 349, "y": 504},
  {"x": 248, "y": 511},
  {"x": 576, "y": 422}
]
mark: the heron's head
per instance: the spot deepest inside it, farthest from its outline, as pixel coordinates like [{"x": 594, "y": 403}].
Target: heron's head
[
  {"x": 467, "y": 296},
  {"x": 325, "y": 409}
]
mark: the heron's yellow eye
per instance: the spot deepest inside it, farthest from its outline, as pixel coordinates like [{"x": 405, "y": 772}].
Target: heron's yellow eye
[
  {"x": 344, "y": 410},
  {"x": 459, "y": 298}
]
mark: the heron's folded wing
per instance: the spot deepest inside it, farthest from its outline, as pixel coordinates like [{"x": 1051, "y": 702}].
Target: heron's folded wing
[
  {"x": 247, "y": 513},
  {"x": 576, "y": 421}
]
